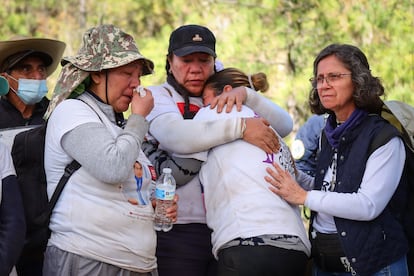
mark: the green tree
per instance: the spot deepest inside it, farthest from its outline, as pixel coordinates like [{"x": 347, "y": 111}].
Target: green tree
[{"x": 280, "y": 38}]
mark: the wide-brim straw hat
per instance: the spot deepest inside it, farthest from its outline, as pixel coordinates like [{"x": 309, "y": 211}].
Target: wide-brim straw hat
[{"x": 14, "y": 50}]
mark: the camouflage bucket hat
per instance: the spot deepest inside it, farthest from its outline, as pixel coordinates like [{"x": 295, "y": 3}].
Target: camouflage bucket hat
[{"x": 104, "y": 47}]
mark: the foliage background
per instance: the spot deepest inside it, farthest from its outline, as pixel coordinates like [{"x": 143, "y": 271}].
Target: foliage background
[{"x": 278, "y": 37}]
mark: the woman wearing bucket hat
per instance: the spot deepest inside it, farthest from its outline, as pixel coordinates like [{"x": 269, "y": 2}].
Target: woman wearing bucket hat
[
  {"x": 186, "y": 249},
  {"x": 96, "y": 228},
  {"x": 25, "y": 63}
]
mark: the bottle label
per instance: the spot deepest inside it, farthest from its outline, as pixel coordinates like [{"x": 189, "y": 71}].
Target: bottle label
[{"x": 164, "y": 195}]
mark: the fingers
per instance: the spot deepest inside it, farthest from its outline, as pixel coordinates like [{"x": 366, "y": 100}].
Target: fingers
[
  {"x": 213, "y": 102},
  {"x": 279, "y": 170},
  {"x": 273, "y": 184},
  {"x": 274, "y": 142},
  {"x": 271, "y": 141},
  {"x": 274, "y": 190},
  {"x": 229, "y": 98},
  {"x": 239, "y": 103},
  {"x": 173, "y": 210},
  {"x": 142, "y": 104},
  {"x": 277, "y": 177},
  {"x": 259, "y": 134},
  {"x": 236, "y": 99},
  {"x": 226, "y": 99},
  {"x": 220, "y": 102},
  {"x": 270, "y": 138},
  {"x": 283, "y": 185},
  {"x": 273, "y": 179},
  {"x": 266, "y": 122},
  {"x": 271, "y": 172},
  {"x": 230, "y": 103}
]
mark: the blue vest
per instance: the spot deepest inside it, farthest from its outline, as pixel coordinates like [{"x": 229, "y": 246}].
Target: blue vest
[{"x": 368, "y": 245}]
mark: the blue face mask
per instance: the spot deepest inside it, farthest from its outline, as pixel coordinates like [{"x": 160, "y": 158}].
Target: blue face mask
[{"x": 30, "y": 91}]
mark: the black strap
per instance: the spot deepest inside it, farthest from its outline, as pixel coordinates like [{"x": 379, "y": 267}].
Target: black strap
[
  {"x": 69, "y": 170},
  {"x": 383, "y": 137}
]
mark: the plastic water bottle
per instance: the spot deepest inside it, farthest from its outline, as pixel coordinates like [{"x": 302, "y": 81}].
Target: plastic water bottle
[{"x": 164, "y": 195}]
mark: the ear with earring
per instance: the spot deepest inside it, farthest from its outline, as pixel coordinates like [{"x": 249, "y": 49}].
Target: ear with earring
[{"x": 4, "y": 86}]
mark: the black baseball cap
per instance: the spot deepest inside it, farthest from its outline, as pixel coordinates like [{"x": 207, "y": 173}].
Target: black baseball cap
[{"x": 190, "y": 39}]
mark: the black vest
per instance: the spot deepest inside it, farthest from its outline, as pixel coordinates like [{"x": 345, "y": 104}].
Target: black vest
[{"x": 368, "y": 245}]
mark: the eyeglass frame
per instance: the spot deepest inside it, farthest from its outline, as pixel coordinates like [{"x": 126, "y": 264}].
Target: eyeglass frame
[{"x": 318, "y": 81}]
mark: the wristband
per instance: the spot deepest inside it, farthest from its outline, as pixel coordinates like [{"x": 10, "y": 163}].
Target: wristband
[{"x": 243, "y": 127}]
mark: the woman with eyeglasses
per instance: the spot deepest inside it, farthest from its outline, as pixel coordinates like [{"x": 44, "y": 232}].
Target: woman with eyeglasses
[{"x": 354, "y": 198}]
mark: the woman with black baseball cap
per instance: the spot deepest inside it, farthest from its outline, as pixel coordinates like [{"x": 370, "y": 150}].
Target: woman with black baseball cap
[{"x": 186, "y": 249}]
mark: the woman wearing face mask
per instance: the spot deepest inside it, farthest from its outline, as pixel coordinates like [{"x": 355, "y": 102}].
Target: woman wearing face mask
[{"x": 25, "y": 64}]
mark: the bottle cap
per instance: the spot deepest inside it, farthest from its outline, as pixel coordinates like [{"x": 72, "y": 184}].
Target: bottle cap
[{"x": 166, "y": 170}]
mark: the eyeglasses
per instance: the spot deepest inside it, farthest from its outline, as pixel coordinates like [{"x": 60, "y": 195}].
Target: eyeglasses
[{"x": 330, "y": 78}]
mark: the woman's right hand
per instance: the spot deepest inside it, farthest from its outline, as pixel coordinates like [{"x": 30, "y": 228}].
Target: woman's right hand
[
  {"x": 260, "y": 134},
  {"x": 284, "y": 185},
  {"x": 142, "y": 105}
]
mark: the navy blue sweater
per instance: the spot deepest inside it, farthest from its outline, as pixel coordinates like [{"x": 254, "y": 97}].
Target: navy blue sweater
[
  {"x": 11, "y": 117},
  {"x": 12, "y": 224}
]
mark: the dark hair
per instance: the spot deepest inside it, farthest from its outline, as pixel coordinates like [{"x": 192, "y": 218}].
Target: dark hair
[
  {"x": 367, "y": 88},
  {"x": 236, "y": 78}
]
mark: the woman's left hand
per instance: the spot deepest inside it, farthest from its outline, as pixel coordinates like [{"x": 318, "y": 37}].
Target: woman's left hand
[
  {"x": 285, "y": 186},
  {"x": 171, "y": 211}
]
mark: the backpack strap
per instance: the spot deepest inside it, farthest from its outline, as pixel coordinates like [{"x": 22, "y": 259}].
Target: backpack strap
[
  {"x": 383, "y": 137},
  {"x": 69, "y": 170},
  {"x": 401, "y": 115}
]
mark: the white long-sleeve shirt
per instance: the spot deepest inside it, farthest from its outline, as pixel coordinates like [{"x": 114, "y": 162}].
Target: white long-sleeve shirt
[
  {"x": 180, "y": 136},
  {"x": 380, "y": 180}
]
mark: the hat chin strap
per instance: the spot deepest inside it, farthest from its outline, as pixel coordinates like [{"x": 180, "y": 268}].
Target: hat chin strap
[{"x": 106, "y": 86}]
